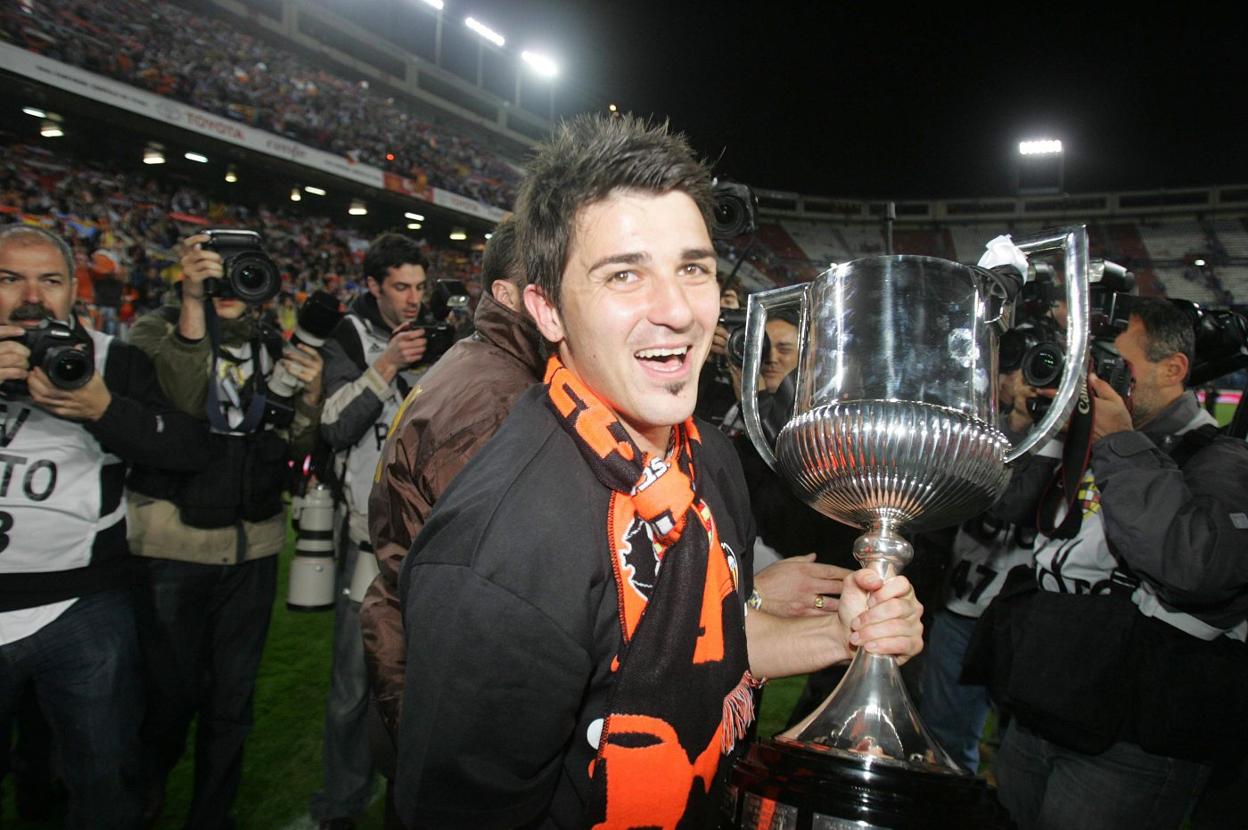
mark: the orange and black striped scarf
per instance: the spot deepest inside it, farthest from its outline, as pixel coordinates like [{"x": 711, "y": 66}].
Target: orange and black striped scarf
[{"x": 682, "y": 695}]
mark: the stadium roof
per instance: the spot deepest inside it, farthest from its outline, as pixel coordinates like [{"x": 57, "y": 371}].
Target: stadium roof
[{"x": 912, "y": 100}]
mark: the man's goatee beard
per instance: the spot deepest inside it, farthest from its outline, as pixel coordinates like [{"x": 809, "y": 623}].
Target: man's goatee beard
[{"x": 676, "y": 388}]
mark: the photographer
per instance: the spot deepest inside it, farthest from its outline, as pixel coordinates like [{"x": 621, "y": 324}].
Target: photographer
[
  {"x": 371, "y": 363},
  {"x": 719, "y": 386},
  {"x": 211, "y": 540},
  {"x": 89, "y": 406},
  {"x": 1121, "y": 653}
]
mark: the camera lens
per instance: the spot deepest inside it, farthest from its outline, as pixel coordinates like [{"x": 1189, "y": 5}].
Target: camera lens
[
  {"x": 1043, "y": 364},
  {"x": 68, "y": 368},
  {"x": 250, "y": 278},
  {"x": 253, "y": 278},
  {"x": 731, "y": 218}
]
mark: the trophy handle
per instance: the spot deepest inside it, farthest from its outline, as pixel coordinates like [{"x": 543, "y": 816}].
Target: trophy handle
[
  {"x": 755, "y": 327},
  {"x": 1073, "y": 242}
]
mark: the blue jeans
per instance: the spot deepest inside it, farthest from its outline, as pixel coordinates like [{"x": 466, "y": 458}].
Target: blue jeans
[
  {"x": 347, "y": 757},
  {"x": 955, "y": 713},
  {"x": 1048, "y": 787},
  {"x": 202, "y": 629},
  {"x": 85, "y": 669}
]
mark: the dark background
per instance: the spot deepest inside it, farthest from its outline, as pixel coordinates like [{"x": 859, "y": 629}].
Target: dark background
[{"x": 909, "y": 100}]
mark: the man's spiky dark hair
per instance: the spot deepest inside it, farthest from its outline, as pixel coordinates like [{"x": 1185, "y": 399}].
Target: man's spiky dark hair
[{"x": 585, "y": 161}]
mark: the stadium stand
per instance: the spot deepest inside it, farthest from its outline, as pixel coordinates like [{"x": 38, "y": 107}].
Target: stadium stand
[
  {"x": 1175, "y": 241},
  {"x": 923, "y": 242},
  {"x": 207, "y": 63},
  {"x": 1162, "y": 254},
  {"x": 820, "y": 243},
  {"x": 140, "y": 218}
]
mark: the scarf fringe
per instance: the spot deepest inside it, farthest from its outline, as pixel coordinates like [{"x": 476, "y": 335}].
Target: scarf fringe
[{"x": 738, "y": 712}]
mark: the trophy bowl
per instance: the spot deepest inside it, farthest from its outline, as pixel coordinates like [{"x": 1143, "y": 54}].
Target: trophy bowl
[{"x": 865, "y": 461}]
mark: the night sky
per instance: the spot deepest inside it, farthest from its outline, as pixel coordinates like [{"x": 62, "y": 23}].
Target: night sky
[{"x": 897, "y": 100}]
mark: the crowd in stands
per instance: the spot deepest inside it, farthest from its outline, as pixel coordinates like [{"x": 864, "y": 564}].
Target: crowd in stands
[
  {"x": 126, "y": 227},
  {"x": 1221, "y": 280},
  {"x": 207, "y": 63}
]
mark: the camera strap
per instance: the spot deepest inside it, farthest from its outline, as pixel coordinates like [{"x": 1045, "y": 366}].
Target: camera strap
[
  {"x": 1064, "y": 487},
  {"x": 256, "y": 406}
]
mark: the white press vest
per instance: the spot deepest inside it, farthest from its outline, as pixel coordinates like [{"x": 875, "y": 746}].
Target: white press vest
[
  {"x": 358, "y": 464},
  {"x": 50, "y": 492}
]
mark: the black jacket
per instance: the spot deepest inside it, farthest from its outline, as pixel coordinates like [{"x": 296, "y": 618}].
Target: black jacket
[{"x": 512, "y": 622}]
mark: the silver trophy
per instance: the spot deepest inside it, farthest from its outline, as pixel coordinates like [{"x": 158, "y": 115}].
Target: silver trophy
[{"x": 894, "y": 430}]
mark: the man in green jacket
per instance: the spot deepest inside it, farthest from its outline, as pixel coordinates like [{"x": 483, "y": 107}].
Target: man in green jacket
[{"x": 211, "y": 540}]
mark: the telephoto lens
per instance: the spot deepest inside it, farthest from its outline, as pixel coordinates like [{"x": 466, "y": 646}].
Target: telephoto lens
[
  {"x": 365, "y": 571},
  {"x": 312, "y": 570},
  {"x": 316, "y": 321}
]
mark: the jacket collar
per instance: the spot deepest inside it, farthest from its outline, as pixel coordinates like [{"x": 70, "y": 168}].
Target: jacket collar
[
  {"x": 365, "y": 307},
  {"x": 1173, "y": 418},
  {"x": 513, "y": 332}
]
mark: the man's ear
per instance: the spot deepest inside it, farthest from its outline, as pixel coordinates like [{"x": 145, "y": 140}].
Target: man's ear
[
  {"x": 544, "y": 313},
  {"x": 508, "y": 294},
  {"x": 1174, "y": 369},
  {"x": 374, "y": 287}
]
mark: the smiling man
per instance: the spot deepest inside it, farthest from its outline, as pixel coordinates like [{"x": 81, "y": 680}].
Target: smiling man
[{"x": 575, "y": 605}]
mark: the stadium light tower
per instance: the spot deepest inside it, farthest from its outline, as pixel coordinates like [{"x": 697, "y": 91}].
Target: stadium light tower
[
  {"x": 544, "y": 67},
  {"x": 1040, "y": 147},
  {"x": 485, "y": 33},
  {"x": 1040, "y": 166}
]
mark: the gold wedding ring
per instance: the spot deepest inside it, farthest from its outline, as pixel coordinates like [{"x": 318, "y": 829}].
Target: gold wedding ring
[{"x": 819, "y": 601}]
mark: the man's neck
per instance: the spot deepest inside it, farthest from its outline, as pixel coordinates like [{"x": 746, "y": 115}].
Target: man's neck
[
  {"x": 1165, "y": 401},
  {"x": 654, "y": 443}
]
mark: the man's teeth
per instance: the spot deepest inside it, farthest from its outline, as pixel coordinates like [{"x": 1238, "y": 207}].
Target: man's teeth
[{"x": 660, "y": 353}]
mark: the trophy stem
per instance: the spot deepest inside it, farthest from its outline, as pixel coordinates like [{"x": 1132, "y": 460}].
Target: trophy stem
[
  {"x": 881, "y": 549},
  {"x": 870, "y": 715}
]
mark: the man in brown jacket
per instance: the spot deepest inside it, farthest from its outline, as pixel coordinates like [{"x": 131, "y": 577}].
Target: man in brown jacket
[{"x": 455, "y": 409}]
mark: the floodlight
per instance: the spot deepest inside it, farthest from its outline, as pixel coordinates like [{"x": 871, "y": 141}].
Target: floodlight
[
  {"x": 315, "y": 191},
  {"x": 35, "y": 111},
  {"x": 154, "y": 154},
  {"x": 1040, "y": 147},
  {"x": 357, "y": 208},
  {"x": 295, "y": 195},
  {"x": 414, "y": 226},
  {"x": 1200, "y": 263},
  {"x": 541, "y": 64},
  {"x": 459, "y": 235},
  {"x": 199, "y": 157},
  {"x": 488, "y": 237},
  {"x": 485, "y": 31},
  {"x": 415, "y": 217},
  {"x": 231, "y": 175},
  {"x": 612, "y": 108},
  {"x": 51, "y": 129}
]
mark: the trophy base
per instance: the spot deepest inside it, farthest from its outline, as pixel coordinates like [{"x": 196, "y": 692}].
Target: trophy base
[{"x": 781, "y": 786}]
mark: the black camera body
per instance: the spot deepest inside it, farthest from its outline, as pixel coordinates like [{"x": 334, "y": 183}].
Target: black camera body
[
  {"x": 1044, "y": 363},
  {"x": 65, "y": 352},
  {"x": 250, "y": 275},
  {"x": 448, "y": 296},
  {"x": 733, "y": 319}
]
